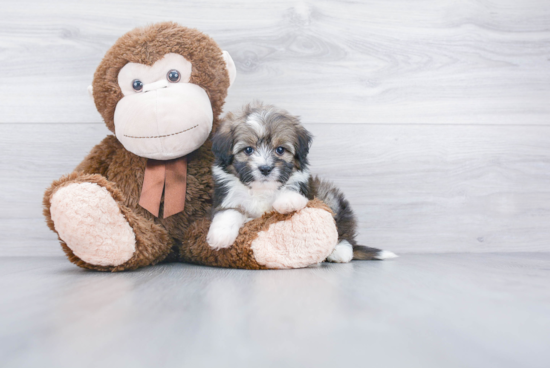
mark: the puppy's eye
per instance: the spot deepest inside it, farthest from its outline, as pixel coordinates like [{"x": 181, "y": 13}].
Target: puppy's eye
[
  {"x": 173, "y": 76},
  {"x": 137, "y": 85},
  {"x": 248, "y": 150},
  {"x": 280, "y": 150}
]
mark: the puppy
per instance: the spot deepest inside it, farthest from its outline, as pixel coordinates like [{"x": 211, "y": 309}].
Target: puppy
[{"x": 261, "y": 165}]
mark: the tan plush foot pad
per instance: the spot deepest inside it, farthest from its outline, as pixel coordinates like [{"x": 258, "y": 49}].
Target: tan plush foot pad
[{"x": 89, "y": 221}]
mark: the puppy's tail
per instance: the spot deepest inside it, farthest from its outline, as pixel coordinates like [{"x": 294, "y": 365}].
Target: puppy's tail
[{"x": 365, "y": 253}]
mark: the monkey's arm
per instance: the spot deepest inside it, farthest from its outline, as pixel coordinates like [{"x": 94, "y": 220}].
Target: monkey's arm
[{"x": 99, "y": 159}]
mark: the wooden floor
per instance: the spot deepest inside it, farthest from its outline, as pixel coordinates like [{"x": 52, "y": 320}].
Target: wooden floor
[{"x": 452, "y": 310}]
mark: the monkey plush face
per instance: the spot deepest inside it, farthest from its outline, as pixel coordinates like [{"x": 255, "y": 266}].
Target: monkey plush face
[
  {"x": 160, "y": 89},
  {"x": 162, "y": 116}
]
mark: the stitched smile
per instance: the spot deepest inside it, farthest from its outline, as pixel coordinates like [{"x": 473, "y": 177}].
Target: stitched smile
[{"x": 166, "y": 135}]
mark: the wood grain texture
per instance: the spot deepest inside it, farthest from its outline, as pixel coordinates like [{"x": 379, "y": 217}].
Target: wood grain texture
[
  {"x": 418, "y": 188},
  {"x": 432, "y": 116},
  {"x": 436, "y": 61},
  {"x": 418, "y": 311}
]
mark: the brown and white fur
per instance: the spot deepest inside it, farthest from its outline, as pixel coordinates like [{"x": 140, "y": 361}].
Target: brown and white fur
[{"x": 261, "y": 165}]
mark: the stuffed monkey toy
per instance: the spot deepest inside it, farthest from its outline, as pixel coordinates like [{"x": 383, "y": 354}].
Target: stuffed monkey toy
[{"x": 143, "y": 195}]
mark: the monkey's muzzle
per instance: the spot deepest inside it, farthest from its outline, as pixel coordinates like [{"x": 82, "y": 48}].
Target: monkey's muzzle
[{"x": 165, "y": 121}]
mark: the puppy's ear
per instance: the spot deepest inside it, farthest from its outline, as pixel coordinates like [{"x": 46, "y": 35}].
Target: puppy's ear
[
  {"x": 222, "y": 146},
  {"x": 304, "y": 139}
]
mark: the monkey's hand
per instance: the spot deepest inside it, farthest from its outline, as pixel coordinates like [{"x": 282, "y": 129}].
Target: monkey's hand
[
  {"x": 289, "y": 201},
  {"x": 225, "y": 228}
]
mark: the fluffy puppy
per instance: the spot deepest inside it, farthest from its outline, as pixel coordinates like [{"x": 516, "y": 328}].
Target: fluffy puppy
[{"x": 261, "y": 165}]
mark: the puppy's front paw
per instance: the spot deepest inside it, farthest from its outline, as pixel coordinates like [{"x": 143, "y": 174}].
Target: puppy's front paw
[
  {"x": 224, "y": 229},
  {"x": 221, "y": 237},
  {"x": 289, "y": 201}
]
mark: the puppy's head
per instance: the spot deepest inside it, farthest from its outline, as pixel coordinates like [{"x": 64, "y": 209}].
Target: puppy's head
[{"x": 262, "y": 146}]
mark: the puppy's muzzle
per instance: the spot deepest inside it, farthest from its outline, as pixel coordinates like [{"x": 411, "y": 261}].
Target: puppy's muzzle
[{"x": 265, "y": 170}]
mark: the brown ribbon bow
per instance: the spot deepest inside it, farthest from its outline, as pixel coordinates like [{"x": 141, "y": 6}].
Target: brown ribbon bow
[{"x": 170, "y": 175}]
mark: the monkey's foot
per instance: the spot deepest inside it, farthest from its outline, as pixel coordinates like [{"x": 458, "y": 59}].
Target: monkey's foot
[
  {"x": 90, "y": 222},
  {"x": 306, "y": 238}
]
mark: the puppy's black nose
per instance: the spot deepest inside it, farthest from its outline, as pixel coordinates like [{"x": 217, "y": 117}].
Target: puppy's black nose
[{"x": 265, "y": 170}]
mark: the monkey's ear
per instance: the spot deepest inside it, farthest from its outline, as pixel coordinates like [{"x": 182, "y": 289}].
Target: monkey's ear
[
  {"x": 230, "y": 65},
  {"x": 222, "y": 145},
  {"x": 302, "y": 150},
  {"x": 91, "y": 92}
]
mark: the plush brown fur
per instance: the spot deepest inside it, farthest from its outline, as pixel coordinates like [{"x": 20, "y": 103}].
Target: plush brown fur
[
  {"x": 121, "y": 172},
  {"x": 239, "y": 255}
]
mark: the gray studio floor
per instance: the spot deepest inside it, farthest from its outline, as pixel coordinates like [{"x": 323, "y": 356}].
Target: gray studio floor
[{"x": 452, "y": 310}]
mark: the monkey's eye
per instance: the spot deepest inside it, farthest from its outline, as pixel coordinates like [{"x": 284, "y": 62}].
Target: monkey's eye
[
  {"x": 137, "y": 85},
  {"x": 280, "y": 150},
  {"x": 173, "y": 76},
  {"x": 248, "y": 150}
]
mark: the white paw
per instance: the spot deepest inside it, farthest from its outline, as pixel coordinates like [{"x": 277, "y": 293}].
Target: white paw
[
  {"x": 225, "y": 229},
  {"x": 221, "y": 236},
  {"x": 289, "y": 201},
  {"x": 342, "y": 253},
  {"x": 89, "y": 221}
]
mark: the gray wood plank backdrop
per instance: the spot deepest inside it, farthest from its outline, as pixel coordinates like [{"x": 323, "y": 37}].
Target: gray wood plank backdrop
[{"x": 433, "y": 116}]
